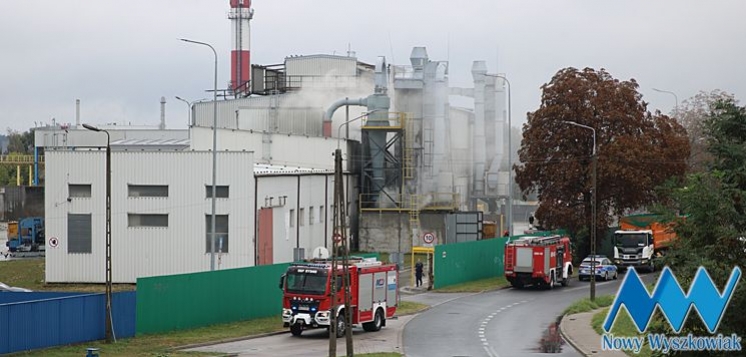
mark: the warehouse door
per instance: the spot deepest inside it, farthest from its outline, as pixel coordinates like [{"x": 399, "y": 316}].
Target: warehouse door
[{"x": 265, "y": 237}]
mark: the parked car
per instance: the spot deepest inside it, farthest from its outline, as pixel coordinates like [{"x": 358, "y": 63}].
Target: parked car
[{"x": 604, "y": 268}]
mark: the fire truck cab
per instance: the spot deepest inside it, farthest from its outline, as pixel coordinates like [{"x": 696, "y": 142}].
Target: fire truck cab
[
  {"x": 307, "y": 295},
  {"x": 538, "y": 261}
]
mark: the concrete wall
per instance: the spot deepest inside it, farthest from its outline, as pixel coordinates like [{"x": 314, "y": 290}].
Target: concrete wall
[{"x": 380, "y": 231}]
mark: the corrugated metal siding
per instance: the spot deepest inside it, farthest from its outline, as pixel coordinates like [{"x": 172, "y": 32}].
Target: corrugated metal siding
[
  {"x": 178, "y": 302},
  {"x": 299, "y": 121},
  {"x": 138, "y": 252},
  {"x": 11, "y": 297},
  {"x": 321, "y": 66},
  {"x": 283, "y": 149},
  {"x": 61, "y": 321},
  {"x": 461, "y": 262}
]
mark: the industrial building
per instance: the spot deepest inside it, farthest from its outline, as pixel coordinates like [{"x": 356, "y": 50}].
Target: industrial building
[{"x": 413, "y": 164}]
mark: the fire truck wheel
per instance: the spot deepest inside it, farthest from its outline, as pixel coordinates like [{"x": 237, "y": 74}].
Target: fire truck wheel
[
  {"x": 376, "y": 324},
  {"x": 565, "y": 281},
  {"x": 341, "y": 325},
  {"x": 296, "y": 329}
]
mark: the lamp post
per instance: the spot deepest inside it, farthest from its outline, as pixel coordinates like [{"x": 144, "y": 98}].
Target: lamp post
[
  {"x": 189, "y": 108},
  {"x": 675, "y": 97},
  {"x": 510, "y": 157},
  {"x": 109, "y": 329},
  {"x": 214, "y": 148},
  {"x": 593, "y": 209}
]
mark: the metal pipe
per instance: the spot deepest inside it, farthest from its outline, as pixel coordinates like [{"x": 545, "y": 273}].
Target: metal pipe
[
  {"x": 162, "y": 126},
  {"x": 336, "y": 105},
  {"x": 214, "y": 148},
  {"x": 510, "y": 157}
]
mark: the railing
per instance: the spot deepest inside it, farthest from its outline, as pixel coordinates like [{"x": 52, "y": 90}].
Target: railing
[
  {"x": 435, "y": 201},
  {"x": 20, "y": 159},
  {"x": 395, "y": 120}
]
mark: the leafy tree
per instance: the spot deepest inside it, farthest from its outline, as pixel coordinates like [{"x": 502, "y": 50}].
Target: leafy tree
[
  {"x": 637, "y": 150},
  {"x": 692, "y": 115},
  {"x": 713, "y": 234}
]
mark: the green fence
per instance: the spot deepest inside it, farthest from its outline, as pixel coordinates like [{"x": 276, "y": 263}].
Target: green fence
[
  {"x": 462, "y": 262},
  {"x": 176, "y": 302}
]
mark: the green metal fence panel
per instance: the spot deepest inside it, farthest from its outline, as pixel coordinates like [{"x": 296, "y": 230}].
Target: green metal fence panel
[
  {"x": 176, "y": 302},
  {"x": 468, "y": 261}
]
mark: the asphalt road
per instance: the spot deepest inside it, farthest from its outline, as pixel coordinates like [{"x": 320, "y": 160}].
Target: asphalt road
[{"x": 501, "y": 323}]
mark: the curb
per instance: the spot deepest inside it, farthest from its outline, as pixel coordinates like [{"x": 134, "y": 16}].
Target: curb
[
  {"x": 227, "y": 340},
  {"x": 569, "y": 339}
]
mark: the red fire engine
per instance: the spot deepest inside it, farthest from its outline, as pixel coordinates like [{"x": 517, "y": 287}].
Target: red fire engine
[
  {"x": 306, "y": 301},
  {"x": 539, "y": 261}
]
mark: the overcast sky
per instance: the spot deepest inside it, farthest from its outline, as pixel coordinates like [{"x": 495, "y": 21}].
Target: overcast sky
[{"x": 120, "y": 57}]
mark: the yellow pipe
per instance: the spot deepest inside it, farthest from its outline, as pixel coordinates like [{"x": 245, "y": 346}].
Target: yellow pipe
[
  {"x": 18, "y": 175},
  {"x": 30, "y": 174}
]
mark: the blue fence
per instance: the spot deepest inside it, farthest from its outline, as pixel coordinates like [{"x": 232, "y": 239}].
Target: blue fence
[{"x": 55, "y": 320}]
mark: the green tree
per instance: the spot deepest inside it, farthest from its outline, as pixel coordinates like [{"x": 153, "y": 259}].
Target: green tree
[
  {"x": 637, "y": 150},
  {"x": 713, "y": 234}
]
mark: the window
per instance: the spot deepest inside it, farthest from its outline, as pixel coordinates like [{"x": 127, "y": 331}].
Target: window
[
  {"x": 311, "y": 217},
  {"x": 78, "y": 190},
  {"x": 220, "y": 191},
  {"x": 321, "y": 214},
  {"x": 301, "y": 217},
  {"x": 147, "y": 220},
  {"x": 78, "y": 233},
  {"x": 292, "y": 218},
  {"x": 221, "y": 233},
  {"x": 147, "y": 190}
]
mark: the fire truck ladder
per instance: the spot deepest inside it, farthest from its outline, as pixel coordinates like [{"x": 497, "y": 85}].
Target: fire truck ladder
[{"x": 552, "y": 240}]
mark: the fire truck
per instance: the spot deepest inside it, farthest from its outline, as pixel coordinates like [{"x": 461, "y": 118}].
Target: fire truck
[
  {"x": 307, "y": 300},
  {"x": 538, "y": 261}
]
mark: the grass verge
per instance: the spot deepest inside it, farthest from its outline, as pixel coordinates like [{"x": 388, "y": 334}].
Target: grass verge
[
  {"x": 163, "y": 344},
  {"x": 585, "y": 305},
  {"x": 476, "y": 286},
  {"x": 29, "y": 273},
  {"x": 623, "y": 326},
  {"x": 410, "y": 307}
]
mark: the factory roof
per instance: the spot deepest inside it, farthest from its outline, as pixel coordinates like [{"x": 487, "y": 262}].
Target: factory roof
[{"x": 151, "y": 144}]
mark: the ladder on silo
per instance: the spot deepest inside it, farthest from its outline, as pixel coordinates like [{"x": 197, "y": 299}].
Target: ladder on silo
[
  {"x": 409, "y": 135},
  {"x": 414, "y": 210}
]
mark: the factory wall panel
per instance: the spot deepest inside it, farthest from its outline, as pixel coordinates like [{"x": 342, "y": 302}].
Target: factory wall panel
[
  {"x": 321, "y": 66},
  {"x": 276, "y": 149},
  {"x": 291, "y": 228},
  {"x": 139, "y": 251}
]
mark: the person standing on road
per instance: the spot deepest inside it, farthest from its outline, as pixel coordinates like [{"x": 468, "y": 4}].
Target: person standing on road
[{"x": 418, "y": 271}]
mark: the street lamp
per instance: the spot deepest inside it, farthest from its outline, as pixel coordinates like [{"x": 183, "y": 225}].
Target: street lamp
[
  {"x": 189, "y": 108},
  {"x": 214, "y": 147},
  {"x": 671, "y": 93},
  {"x": 109, "y": 329},
  {"x": 593, "y": 209},
  {"x": 510, "y": 157}
]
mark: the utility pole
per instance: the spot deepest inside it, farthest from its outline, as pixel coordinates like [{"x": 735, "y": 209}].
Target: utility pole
[{"x": 340, "y": 242}]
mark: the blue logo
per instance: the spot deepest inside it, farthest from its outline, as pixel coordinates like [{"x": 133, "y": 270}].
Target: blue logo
[{"x": 670, "y": 298}]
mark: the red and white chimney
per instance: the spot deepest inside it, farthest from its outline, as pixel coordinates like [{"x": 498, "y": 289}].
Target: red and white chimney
[{"x": 240, "y": 15}]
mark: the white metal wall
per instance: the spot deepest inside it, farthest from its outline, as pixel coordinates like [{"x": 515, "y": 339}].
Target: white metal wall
[
  {"x": 276, "y": 149},
  {"x": 51, "y": 137},
  {"x": 321, "y": 65},
  {"x": 139, "y": 252},
  {"x": 315, "y": 191}
]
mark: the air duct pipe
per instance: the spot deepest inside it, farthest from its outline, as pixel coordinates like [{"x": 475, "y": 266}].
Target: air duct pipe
[
  {"x": 362, "y": 102},
  {"x": 440, "y": 167},
  {"x": 478, "y": 71}
]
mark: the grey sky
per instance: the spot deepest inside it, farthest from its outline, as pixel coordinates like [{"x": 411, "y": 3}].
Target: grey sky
[{"x": 120, "y": 57}]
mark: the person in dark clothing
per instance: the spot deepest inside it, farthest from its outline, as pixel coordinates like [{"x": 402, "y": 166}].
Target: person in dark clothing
[{"x": 418, "y": 272}]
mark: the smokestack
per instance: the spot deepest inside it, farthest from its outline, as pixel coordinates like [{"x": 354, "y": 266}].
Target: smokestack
[
  {"x": 240, "y": 16},
  {"x": 478, "y": 71},
  {"x": 77, "y": 113},
  {"x": 163, "y": 114}
]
